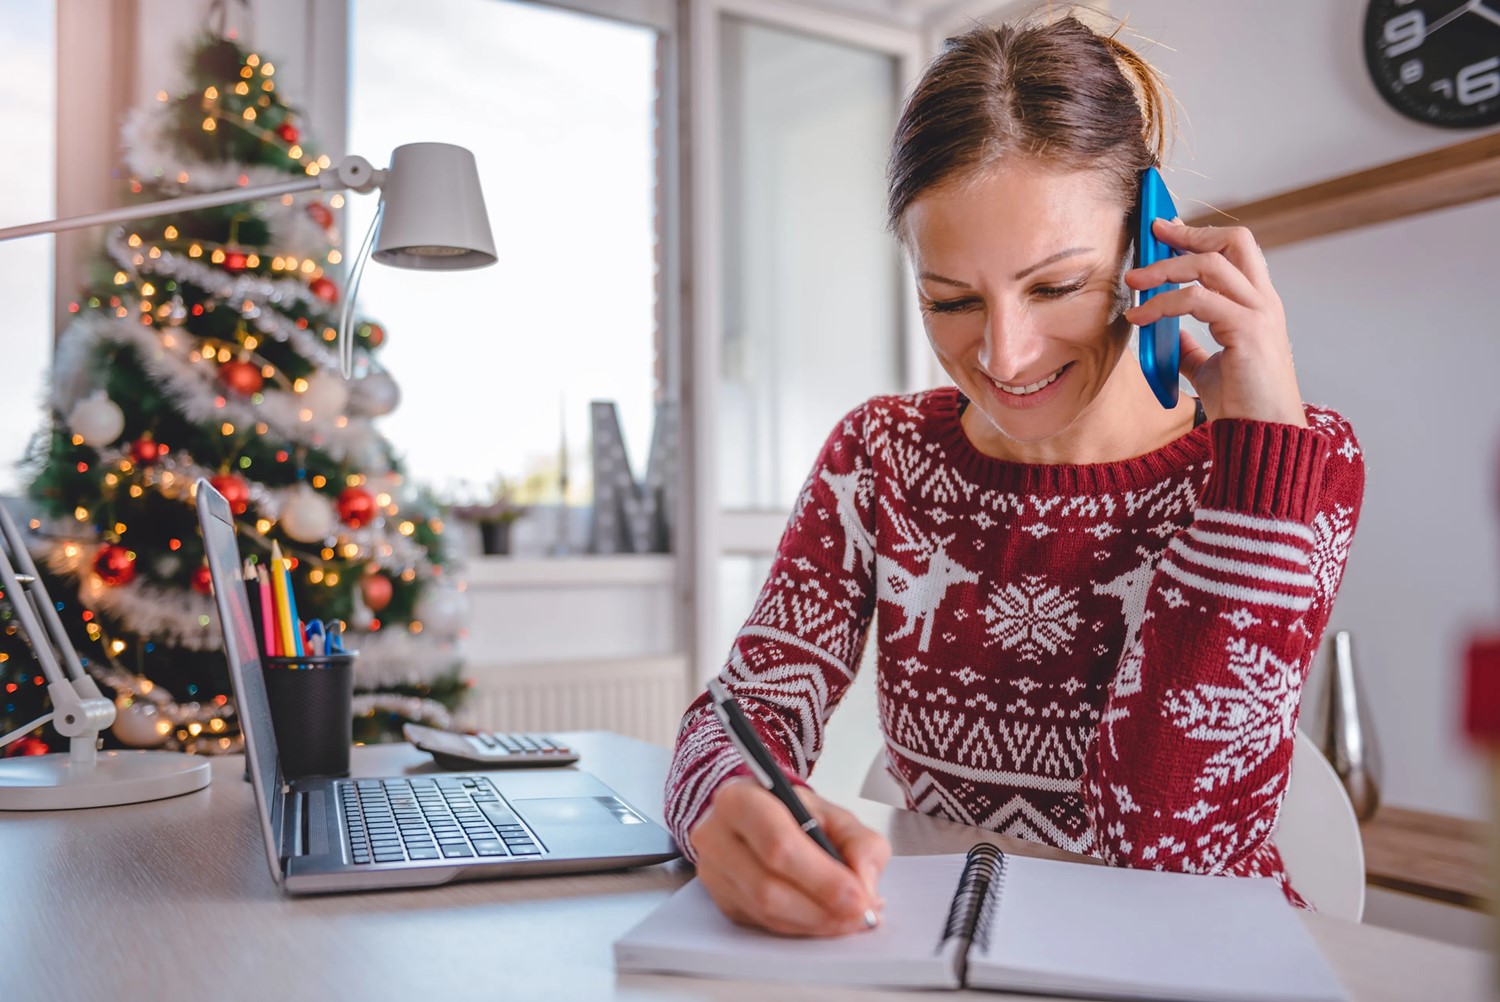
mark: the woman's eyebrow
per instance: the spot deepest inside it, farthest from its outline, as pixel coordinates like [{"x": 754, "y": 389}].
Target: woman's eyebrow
[
  {"x": 934, "y": 277},
  {"x": 1054, "y": 258}
]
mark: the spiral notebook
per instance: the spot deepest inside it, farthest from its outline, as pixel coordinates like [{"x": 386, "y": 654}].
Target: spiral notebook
[{"x": 994, "y": 920}]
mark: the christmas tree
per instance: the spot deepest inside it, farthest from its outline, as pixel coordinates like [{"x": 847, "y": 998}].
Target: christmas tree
[{"x": 205, "y": 348}]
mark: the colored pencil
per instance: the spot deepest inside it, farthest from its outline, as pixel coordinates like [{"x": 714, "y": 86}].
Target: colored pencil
[
  {"x": 281, "y": 592},
  {"x": 267, "y": 611}
]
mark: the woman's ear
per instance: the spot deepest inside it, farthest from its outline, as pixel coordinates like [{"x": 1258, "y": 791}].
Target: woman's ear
[{"x": 1123, "y": 294}]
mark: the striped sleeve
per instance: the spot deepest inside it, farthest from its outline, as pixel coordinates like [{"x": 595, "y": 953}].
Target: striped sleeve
[
  {"x": 1190, "y": 764},
  {"x": 1244, "y": 558}
]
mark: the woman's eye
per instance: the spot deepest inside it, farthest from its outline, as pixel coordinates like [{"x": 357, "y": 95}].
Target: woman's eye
[
  {"x": 951, "y": 305},
  {"x": 1058, "y": 291}
]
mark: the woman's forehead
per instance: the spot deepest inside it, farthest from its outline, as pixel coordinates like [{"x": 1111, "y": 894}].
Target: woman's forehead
[{"x": 1012, "y": 218}]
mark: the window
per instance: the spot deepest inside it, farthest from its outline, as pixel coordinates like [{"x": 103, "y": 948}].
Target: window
[
  {"x": 812, "y": 319},
  {"x": 561, "y": 112},
  {"x": 28, "y": 99}
]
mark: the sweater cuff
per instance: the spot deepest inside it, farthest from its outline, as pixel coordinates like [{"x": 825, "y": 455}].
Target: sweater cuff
[{"x": 1264, "y": 468}]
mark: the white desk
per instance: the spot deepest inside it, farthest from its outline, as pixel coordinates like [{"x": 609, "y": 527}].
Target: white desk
[{"x": 172, "y": 900}]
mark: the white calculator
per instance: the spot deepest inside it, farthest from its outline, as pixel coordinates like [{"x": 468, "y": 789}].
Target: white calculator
[{"x": 492, "y": 749}]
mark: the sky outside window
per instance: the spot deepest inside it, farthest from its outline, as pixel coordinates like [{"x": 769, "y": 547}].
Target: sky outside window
[
  {"x": 557, "y": 108},
  {"x": 28, "y": 105}
]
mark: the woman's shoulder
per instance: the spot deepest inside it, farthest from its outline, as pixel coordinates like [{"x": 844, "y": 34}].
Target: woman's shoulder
[{"x": 920, "y": 406}]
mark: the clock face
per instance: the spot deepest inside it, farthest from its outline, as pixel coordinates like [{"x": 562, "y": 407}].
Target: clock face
[{"x": 1437, "y": 61}]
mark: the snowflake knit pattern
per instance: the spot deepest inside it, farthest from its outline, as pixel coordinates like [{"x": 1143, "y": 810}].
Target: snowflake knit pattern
[{"x": 1106, "y": 658}]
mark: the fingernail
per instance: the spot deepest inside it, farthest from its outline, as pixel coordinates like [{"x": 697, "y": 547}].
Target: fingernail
[{"x": 870, "y": 920}]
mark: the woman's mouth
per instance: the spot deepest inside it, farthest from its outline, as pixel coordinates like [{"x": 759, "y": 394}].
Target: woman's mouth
[{"x": 1030, "y": 395}]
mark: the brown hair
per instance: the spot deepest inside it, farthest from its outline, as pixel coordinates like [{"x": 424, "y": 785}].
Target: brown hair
[{"x": 1056, "y": 93}]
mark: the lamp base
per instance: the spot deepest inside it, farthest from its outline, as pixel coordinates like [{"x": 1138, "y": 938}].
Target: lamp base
[{"x": 56, "y": 783}]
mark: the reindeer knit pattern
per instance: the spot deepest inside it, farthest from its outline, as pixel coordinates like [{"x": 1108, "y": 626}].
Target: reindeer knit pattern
[{"x": 1105, "y": 658}]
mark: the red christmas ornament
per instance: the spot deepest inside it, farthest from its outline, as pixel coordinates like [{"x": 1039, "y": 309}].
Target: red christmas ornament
[
  {"x": 146, "y": 450},
  {"x": 287, "y": 131},
  {"x": 324, "y": 289},
  {"x": 356, "y": 507},
  {"x": 321, "y": 214},
  {"x": 242, "y": 377},
  {"x": 114, "y": 564},
  {"x": 235, "y": 491},
  {"x": 29, "y": 745},
  {"x": 374, "y": 334},
  {"x": 203, "y": 582},
  {"x": 377, "y": 591},
  {"x": 235, "y": 261}
]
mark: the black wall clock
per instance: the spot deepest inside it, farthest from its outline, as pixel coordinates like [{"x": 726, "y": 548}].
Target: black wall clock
[{"x": 1437, "y": 61}]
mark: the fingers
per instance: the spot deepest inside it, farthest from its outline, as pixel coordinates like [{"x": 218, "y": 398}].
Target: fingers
[
  {"x": 751, "y": 895},
  {"x": 1221, "y": 314},
  {"x": 1191, "y": 356},
  {"x": 1236, "y": 243},
  {"x": 866, "y": 850},
  {"x": 785, "y": 849},
  {"x": 1210, "y": 269},
  {"x": 762, "y": 869}
]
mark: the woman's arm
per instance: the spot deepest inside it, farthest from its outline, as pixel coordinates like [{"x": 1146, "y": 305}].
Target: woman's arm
[
  {"x": 1191, "y": 759},
  {"x": 797, "y": 653}
]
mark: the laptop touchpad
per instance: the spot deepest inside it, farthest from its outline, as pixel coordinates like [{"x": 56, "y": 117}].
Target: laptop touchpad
[{"x": 576, "y": 810}]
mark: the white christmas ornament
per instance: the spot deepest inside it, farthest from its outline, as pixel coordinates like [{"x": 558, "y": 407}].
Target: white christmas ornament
[
  {"x": 97, "y": 419},
  {"x": 375, "y": 395},
  {"x": 326, "y": 394},
  {"x": 308, "y": 516},
  {"x": 444, "y": 610},
  {"x": 141, "y": 725}
]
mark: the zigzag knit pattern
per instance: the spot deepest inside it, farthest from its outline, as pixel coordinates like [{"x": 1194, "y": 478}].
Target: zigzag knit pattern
[{"x": 1105, "y": 658}]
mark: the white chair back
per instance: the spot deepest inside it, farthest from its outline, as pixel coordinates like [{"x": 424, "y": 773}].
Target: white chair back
[{"x": 1317, "y": 835}]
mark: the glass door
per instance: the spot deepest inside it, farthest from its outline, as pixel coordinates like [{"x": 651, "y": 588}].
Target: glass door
[{"x": 802, "y": 307}]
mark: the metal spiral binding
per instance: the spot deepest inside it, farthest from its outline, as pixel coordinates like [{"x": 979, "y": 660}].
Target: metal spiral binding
[{"x": 979, "y": 890}]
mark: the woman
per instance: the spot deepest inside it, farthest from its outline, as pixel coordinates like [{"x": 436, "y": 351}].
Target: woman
[{"x": 1095, "y": 614}]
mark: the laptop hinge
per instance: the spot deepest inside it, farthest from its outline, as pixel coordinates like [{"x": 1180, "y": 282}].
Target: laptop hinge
[{"x": 295, "y": 825}]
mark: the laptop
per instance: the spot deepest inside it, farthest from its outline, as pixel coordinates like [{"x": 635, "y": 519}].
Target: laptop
[{"x": 420, "y": 829}]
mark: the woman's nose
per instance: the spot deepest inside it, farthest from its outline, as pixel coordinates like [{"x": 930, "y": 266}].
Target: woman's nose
[{"x": 1011, "y": 346}]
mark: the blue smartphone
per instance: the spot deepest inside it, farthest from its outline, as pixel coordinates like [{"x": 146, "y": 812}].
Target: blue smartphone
[{"x": 1159, "y": 345}]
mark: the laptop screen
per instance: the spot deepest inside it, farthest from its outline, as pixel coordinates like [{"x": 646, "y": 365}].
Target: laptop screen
[{"x": 217, "y": 525}]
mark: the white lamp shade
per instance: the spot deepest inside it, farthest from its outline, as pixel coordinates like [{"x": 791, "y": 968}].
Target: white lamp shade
[{"x": 434, "y": 215}]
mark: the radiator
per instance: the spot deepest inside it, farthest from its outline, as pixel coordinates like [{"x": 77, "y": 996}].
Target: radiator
[{"x": 639, "y": 697}]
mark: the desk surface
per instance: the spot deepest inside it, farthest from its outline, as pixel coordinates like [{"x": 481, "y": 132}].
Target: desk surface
[{"x": 172, "y": 900}]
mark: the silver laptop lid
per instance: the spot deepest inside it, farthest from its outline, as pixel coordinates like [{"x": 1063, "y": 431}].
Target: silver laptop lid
[{"x": 217, "y": 525}]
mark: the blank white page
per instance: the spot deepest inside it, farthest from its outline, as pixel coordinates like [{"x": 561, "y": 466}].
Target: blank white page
[{"x": 1127, "y": 933}]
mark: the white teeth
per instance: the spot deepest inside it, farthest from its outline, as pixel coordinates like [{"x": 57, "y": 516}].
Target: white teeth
[{"x": 1023, "y": 391}]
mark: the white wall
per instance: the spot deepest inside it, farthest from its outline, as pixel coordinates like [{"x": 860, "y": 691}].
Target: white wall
[{"x": 1393, "y": 325}]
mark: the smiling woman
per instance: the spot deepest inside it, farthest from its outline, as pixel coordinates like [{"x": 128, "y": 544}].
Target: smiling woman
[
  {"x": 1093, "y": 615},
  {"x": 28, "y": 96}
]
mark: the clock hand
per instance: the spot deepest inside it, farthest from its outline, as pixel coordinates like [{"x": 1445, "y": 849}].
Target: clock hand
[
  {"x": 1478, "y": 7},
  {"x": 1458, "y": 11}
]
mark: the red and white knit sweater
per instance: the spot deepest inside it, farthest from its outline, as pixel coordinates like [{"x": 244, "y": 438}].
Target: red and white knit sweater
[{"x": 1105, "y": 658}]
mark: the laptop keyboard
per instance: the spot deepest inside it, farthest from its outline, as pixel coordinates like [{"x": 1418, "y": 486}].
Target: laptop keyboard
[{"x": 394, "y": 820}]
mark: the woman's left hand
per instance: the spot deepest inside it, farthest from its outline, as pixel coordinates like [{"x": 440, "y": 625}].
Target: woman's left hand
[{"x": 1253, "y": 377}]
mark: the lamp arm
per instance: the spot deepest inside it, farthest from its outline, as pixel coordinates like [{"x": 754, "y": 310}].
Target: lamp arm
[
  {"x": 351, "y": 172},
  {"x": 80, "y": 710}
]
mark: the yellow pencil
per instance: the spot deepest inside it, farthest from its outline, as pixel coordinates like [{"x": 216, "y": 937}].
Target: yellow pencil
[{"x": 279, "y": 581}]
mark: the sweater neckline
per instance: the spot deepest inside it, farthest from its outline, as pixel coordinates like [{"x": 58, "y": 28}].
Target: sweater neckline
[{"x": 1194, "y": 447}]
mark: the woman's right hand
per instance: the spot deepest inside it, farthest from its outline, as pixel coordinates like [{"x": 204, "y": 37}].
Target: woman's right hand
[{"x": 763, "y": 870}]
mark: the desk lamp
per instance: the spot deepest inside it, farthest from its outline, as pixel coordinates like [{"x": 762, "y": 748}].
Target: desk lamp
[{"x": 431, "y": 216}]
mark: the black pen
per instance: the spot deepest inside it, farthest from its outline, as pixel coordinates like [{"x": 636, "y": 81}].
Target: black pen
[{"x": 767, "y": 772}]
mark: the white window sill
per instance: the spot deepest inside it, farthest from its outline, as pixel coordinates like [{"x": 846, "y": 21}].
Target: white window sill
[{"x": 500, "y": 573}]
